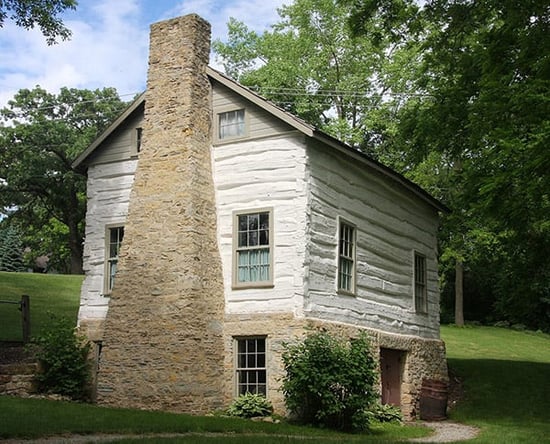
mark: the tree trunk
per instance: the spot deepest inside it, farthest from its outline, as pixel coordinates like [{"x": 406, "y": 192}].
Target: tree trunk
[
  {"x": 459, "y": 293},
  {"x": 75, "y": 239}
]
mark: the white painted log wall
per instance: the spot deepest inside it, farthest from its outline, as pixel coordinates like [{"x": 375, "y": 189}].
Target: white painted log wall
[
  {"x": 109, "y": 187},
  {"x": 257, "y": 174},
  {"x": 391, "y": 225}
]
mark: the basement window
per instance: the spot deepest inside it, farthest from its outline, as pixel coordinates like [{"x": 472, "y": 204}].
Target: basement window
[{"x": 251, "y": 373}]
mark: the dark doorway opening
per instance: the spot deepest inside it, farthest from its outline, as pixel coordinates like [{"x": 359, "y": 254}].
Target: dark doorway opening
[{"x": 391, "y": 367}]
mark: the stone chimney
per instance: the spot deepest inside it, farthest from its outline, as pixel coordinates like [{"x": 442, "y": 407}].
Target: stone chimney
[{"x": 163, "y": 343}]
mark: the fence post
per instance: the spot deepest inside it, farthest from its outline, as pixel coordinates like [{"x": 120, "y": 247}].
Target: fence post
[{"x": 26, "y": 317}]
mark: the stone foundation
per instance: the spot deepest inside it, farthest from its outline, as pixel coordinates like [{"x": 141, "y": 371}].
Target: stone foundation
[
  {"x": 18, "y": 379},
  {"x": 424, "y": 358}
]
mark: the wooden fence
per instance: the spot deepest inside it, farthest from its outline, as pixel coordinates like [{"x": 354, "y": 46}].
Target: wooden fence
[{"x": 25, "y": 309}]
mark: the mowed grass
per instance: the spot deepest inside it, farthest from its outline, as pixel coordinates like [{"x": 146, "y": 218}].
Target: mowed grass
[
  {"x": 49, "y": 293},
  {"x": 506, "y": 378},
  {"x": 31, "y": 418}
]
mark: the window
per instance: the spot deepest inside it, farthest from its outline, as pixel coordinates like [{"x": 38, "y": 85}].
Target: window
[
  {"x": 346, "y": 258},
  {"x": 231, "y": 124},
  {"x": 136, "y": 141},
  {"x": 253, "y": 256},
  {"x": 250, "y": 366},
  {"x": 114, "y": 240},
  {"x": 139, "y": 134},
  {"x": 420, "y": 284}
]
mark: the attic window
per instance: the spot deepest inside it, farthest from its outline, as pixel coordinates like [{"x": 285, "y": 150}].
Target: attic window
[
  {"x": 231, "y": 124},
  {"x": 136, "y": 141},
  {"x": 139, "y": 132}
]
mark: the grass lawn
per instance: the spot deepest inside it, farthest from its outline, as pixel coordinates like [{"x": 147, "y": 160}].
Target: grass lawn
[
  {"x": 507, "y": 382},
  {"x": 506, "y": 376},
  {"x": 49, "y": 293},
  {"x": 28, "y": 418}
]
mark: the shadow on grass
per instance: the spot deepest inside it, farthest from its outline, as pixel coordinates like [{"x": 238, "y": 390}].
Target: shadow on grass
[{"x": 505, "y": 394}]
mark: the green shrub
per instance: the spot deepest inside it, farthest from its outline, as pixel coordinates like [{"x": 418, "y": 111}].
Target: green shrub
[
  {"x": 250, "y": 406},
  {"x": 330, "y": 382},
  {"x": 63, "y": 356},
  {"x": 384, "y": 413}
]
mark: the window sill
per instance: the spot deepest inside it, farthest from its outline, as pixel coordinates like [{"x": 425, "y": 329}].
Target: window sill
[
  {"x": 229, "y": 140},
  {"x": 252, "y": 285},
  {"x": 346, "y": 293}
]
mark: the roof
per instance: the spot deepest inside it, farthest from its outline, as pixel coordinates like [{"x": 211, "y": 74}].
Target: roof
[{"x": 292, "y": 120}]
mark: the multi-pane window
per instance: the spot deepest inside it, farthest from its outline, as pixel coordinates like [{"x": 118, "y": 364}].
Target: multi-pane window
[
  {"x": 250, "y": 366},
  {"x": 420, "y": 284},
  {"x": 139, "y": 134},
  {"x": 114, "y": 240},
  {"x": 231, "y": 124},
  {"x": 253, "y": 252},
  {"x": 346, "y": 258}
]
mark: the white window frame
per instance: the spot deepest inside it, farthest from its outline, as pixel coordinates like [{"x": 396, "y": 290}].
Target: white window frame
[
  {"x": 346, "y": 253},
  {"x": 231, "y": 137},
  {"x": 420, "y": 282},
  {"x": 110, "y": 260},
  {"x": 238, "y": 249},
  {"x": 248, "y": 365}
]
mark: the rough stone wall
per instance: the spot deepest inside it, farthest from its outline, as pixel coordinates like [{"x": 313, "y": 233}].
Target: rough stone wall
[
  {"x": 18, "y": 379},
  {"x": 162, "y": 345},
  {"x": 425, "y": 358}
]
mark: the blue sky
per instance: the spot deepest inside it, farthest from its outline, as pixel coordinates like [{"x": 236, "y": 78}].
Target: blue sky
[{"x": 109, "y": 43}]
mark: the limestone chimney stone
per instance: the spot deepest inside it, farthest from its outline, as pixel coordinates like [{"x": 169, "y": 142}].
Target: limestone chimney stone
[{"x": 163, "y": 340}]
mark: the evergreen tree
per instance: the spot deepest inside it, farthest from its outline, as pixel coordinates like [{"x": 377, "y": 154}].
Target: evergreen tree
[{"x": 11, "y": 250}]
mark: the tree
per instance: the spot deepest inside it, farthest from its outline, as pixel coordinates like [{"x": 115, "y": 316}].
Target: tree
[
  {"x": 42, "y": 13},
  {"x": 11, "y": 249},
  {"x": 310, "y": 64},
  {"x": 484, "y": 114},
  {"x": 40, "y": 136}
]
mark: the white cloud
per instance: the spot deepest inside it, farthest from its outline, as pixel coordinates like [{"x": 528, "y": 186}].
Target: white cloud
[{"x": 109, "y": 45}]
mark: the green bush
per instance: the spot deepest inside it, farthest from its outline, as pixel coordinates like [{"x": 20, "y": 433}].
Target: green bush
[
  {"x": 384, "y": 413},
  {"x": 250, "y": 406},
  {"x": 330, "y": 382},
  {"x": 63, "y": 356}
]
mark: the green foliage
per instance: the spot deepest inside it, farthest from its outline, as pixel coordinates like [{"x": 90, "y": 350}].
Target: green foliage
[
  {"x": 41, "y": 13},
  {"x": 379, "y": 412},
  {"x": 329, "y": 381},
  {"x": 250, "y": 405},
  {"x": 11, "y": 249},
  {"x": 310, "y": 64},
  {"x": 63, "y": 356},
  {"x": 475, "y": 133},
  {"x": 41, "y": 134}
]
